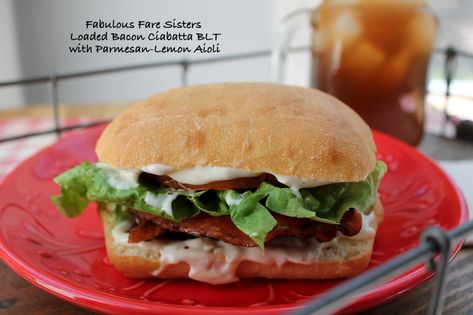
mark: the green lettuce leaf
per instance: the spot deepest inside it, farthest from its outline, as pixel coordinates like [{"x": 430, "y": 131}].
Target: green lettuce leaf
[
  {"x": 210, "y": 203},
  {"x": 326, "y": 203},
  {"x": 87, "y": 182},
  {"x": 249, "y": 210},
  {"x": 70, "y": 203},
  {"x": 251, "y": 217}
]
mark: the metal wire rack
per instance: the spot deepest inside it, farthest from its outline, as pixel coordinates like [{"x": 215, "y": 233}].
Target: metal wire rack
[{"x": 435, "y": 244}]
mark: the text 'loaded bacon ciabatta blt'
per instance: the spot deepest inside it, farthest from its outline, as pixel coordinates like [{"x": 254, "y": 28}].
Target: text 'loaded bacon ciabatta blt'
[{"x": 226, "y": 181}]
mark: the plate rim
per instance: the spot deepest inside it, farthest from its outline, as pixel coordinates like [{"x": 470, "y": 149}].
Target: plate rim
[{"x": 100, "y": 301}]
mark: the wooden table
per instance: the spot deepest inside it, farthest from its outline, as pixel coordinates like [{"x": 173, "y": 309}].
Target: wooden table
[{"x": 17, "y": 296}]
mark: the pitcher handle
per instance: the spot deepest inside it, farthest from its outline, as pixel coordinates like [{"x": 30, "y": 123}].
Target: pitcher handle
[{"x": 284, "y": 34}]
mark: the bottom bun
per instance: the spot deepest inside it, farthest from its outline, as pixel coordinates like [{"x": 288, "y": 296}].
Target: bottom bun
[{"x": 216, "y": 262}]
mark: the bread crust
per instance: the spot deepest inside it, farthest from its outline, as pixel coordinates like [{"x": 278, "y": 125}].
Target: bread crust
[
  {"x": 141, "y": 265},
  {"x": 260, "y": 127}
]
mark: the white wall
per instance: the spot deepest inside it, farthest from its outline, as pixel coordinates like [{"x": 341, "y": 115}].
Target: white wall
[
  {"x": 34, "y": 33},
  {"x": 9, "y": 59},
  {"x": 36, "y": 36}
]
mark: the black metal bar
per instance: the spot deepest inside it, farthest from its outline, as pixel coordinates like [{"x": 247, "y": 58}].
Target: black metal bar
[
  {"x": 73, "y": 75},
  {"x": 184, "y": 73},
  {"x": 449, "y": 73},
  {"x": 458, "y": 52},
  {"x": 341, "y": 294},
  {"x": 55, "y": 103},
  {"x": 232, "y": 57},
  {"x": 54, "y": 130},
  {"x": 443, "y": 247},
  {"x": 461, "y": 231}
]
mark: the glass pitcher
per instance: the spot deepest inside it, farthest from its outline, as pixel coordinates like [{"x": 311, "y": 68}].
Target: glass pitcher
[{"x": 373, "y": 55}]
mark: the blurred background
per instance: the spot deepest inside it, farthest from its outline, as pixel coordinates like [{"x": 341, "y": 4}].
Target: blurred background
[{"x": 34, "y": 36}]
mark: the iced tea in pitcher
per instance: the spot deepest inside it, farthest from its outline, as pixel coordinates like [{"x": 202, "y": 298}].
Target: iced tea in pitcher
[{"x": 374, "y": 55}]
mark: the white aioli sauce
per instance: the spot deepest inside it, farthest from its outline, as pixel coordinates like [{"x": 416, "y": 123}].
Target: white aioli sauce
[
  {"x": 119, "y": 178},
  {"x": 296, "y": 183},
  {"x": 157, "y": 169},
  {"x": 206, "y": 174},
  {"x": 199, "y": 175},
  {"x": 367, "y": 228},
  {"x": 163, "y": 201},
  {"x": 232, "y": 200},
  {"x": 215, "y": 262}
]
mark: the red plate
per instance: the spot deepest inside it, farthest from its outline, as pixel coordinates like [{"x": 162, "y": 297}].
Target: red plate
[{"x": 66, "y": 257}]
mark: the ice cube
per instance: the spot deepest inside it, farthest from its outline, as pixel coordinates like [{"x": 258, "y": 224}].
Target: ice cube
[
  {"x": 395, "y": 70},
  {"x": 378, "y": 2},
  {"x": 363, "y": 58},
  {"x": 422, "y": 32},
  {"x": 336, "y": 2},
  {"x": 346, "y": 28},
  {"x": 391, "y": 2}
]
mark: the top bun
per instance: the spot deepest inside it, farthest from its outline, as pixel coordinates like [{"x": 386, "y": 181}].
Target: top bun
[{"x": 260, "y": 127}]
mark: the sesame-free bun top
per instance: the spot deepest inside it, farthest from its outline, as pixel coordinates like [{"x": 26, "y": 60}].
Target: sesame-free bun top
[{"x": 261, "y": 127}]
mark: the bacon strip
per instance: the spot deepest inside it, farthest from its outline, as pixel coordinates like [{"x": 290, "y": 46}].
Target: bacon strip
[
  {"x": 144, "y": 230},
  {"x": 222, "y": 228},
  {"x": 201, "y": 225}
]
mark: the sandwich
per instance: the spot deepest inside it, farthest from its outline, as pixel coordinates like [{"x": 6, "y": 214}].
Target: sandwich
[{"x": 220, "y": 182}]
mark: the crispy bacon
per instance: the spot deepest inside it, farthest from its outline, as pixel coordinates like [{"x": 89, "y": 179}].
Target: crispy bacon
[
  {"x": 203, "y": 225},
  {"x": 222, "y": 228},
  {"x": 351, "y": 223},
  {"x": 144, "y": 230}
]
